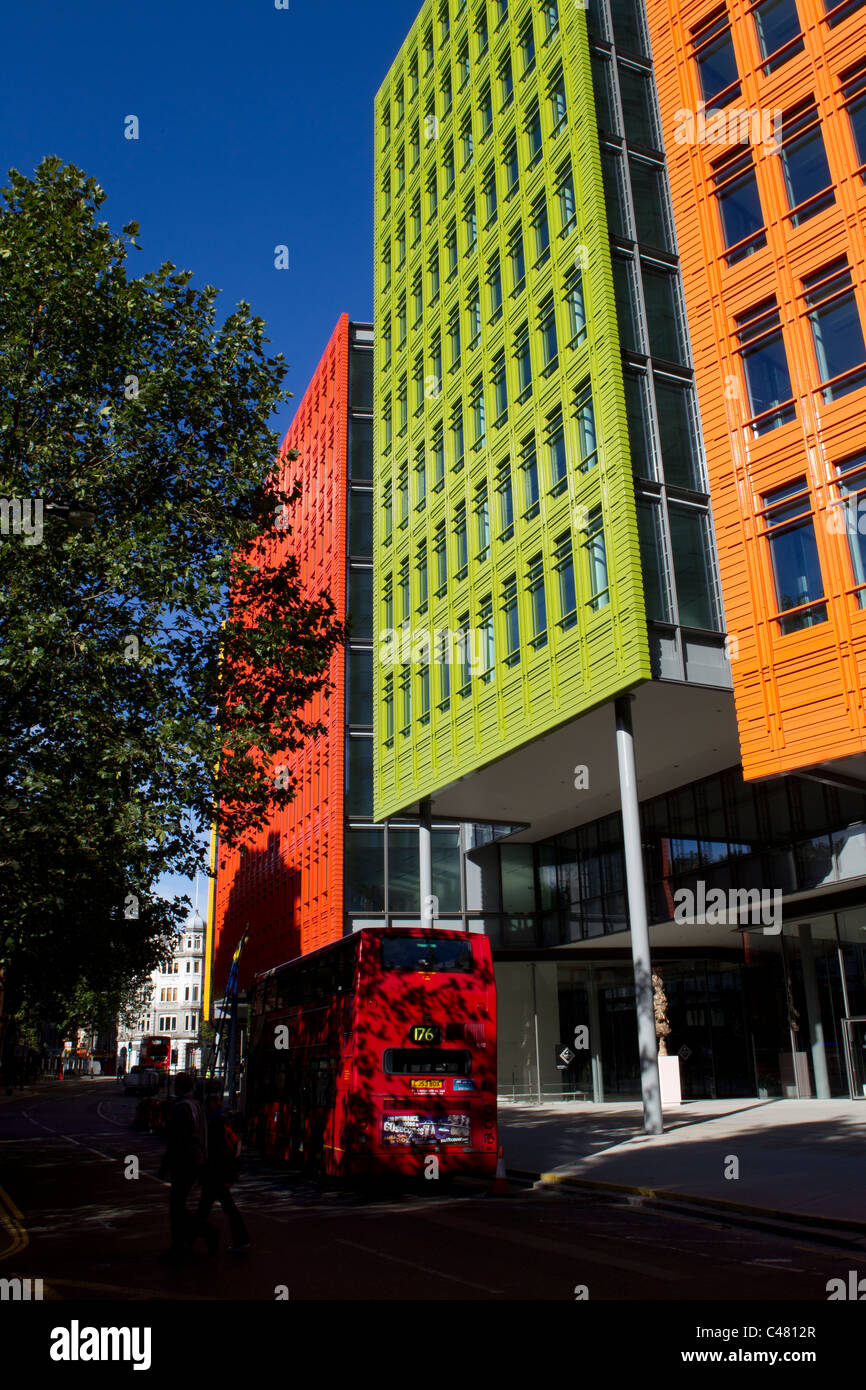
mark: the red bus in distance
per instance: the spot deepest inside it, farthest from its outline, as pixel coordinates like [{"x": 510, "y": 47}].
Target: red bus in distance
[
  {"x": 374, "y": 1054},
  {"x": 155, "y": 1052}
]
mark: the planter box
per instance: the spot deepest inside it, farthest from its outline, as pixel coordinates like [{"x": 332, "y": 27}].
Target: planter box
[{"x": 669, "y": 1079}]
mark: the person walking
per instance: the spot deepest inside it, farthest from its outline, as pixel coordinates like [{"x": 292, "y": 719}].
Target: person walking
[
  {"x": 183, "y": 1161},
  {"x": 220, "y": 1169}
]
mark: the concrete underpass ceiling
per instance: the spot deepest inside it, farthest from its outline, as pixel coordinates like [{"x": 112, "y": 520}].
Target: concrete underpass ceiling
[{"x": 682, "y": 732}]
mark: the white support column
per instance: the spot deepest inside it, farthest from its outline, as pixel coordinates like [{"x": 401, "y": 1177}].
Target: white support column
[
  {"x": 640, "y": 947},
  {"x": 425, "y": 865}
]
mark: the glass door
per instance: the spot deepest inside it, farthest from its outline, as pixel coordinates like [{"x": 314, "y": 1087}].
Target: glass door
[{"x": 855, "y": 1056}]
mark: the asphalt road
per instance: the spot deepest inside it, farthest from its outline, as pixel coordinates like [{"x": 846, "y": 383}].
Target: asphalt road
[{"x": 72, "y": 1217}]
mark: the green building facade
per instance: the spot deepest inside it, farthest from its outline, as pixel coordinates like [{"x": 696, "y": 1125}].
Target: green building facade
[{"x": 508, "y": 585}]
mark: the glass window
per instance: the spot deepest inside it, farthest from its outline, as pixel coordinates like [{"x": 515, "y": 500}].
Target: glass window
[
  {"x": 626, "y": 303},
  {"x": 690, "y": 548},
  {"x": 854, "y": 92},
  {"x": 677, "y": 433},
  {"x": 360, "y": 522},
  {"x": 512, "y": 167},
  {"x": 481, "y": 31},
  {"x": 473, "y": 314},
  {"x": 526, "y": 44},
  {"x": 638, "y": 106},
  {"x": 476, "y": 406},
  {"x": 558, "y": 104},
  {"x": 403, "y": 880},
  {"x": 433, "y": 269},
  {"x": 454, "y": 336},
  {"x": 438, "y": 457},
  {"x": 420, "y": 475},
  {"x": 567, "y": 204},
  {"x": 650, "y": 198},
  {"x": 533, "y": 134},
  {"x": 601, "y": 86},
  {"x": 547, "y": 336},
  {"x": 457, "y": 440},
  {"x": 638, "y": 416},
  {"x": 628, "y": 26},
  {"x": 361, "y": 602},
  {"x": 596, "y": 552},
  {"x": 576, "y": 307},
  {"x": 804, "y": 163},
  {"x": 359, "y": 794},
  {"x": 487, "y": 654},
  {"x": 361, "y": 379},
  {"x": 361, "y": 447},
  {"x": 550, "y": 10},
  {"x": 529, "y": 467},
  {"x": 427, "y": 954},
  {"x": 537, "y": 600},
  {"x": 564, "y": 565},
  {"x": 717, "y": 64},
  {"x": 445, "y": 853},
  {"x": 463, "y": 654},
  {"x": 586, "y": 437},
  {"x": 488, "y": 193},
  {"x": 776, "y": 25},
  {"x": 649, "y": 525},
  {"x": 765, "y": 365},
  {"x": 556, "y": 453},
  {"x": 360, "y": 687},
  {"x": 421, "y": 571},
  {"x": 852, "y": 490},
  {"x": 662, "y": 313},
  {"x": 440, "y": 559},
  {"x": 541, "y": 228},
  {"x": 524, "y": 364},
  {"x": 506, "y": 80},
  {"x": 506, "y": 500},
  {"x": 500, "y": 390},
  {"x": 511, "y": 619},
  {"x": 494, "y": 282},
  {"x": 736, "y": 193},
  {"x": 470, "y": 226},
  {"x": 482, "y": 520},
  {"x": 836, "y": 331},
  {"x": 790, "y": 532},
  {"x": 463, "y": 63},
  {"x": 518, "y": 263},
  {"x": 614, "y": 191}
]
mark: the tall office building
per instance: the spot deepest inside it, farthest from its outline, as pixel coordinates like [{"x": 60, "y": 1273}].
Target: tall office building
[
  {"x": 545, "y": 544},
  {"x": 322, "y": 867},
  {"x": 764, "y": 112}
]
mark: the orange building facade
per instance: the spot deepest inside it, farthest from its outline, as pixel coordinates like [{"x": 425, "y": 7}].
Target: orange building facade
[
  {"x": 763, "y": 109},
  {"x": 288, "y": 888}
]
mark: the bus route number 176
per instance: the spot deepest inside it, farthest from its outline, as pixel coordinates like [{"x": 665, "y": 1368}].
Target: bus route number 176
[{"x": 424, "y": 1033}]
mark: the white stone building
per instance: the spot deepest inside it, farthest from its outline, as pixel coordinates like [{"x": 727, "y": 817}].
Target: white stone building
[{"x": 173, "y": 1008}]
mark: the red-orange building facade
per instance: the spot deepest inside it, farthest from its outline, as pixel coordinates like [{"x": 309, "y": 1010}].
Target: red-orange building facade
[
  {"x": 762, "y": 109},
  {"x": 288, "y": 889}
]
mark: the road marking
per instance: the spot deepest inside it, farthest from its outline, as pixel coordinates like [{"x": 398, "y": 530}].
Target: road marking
[
  {"x": 425, "y": 1269},
  {"x": 557, "y": 1247},
  {"x": 167, "y": 1293},
  {"x": 121, "y": 1124},
  {"x": 13, "y": 1223}
]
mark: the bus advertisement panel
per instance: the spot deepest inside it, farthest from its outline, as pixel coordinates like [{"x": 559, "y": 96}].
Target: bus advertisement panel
[{"x": 373, "y": 1054}]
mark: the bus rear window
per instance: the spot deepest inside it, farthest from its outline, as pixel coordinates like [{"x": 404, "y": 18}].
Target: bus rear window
[
  {"x": 426, "y": 1061},
  {"x": 410, "y": 953}
]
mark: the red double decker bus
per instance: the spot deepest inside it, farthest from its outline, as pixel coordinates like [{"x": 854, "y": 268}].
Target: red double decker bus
[
  {"x": 370, "y": 1055},
  {"x": 155, "y": 1052}
]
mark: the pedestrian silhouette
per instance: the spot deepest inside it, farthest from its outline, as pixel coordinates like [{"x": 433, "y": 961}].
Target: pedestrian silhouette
[
  {"x": 183, "y": 1161},
  {"x": 220, "y": 1169}
]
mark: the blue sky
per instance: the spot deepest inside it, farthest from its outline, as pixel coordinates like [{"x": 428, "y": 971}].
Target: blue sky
[{"x": 255, "y": 130}]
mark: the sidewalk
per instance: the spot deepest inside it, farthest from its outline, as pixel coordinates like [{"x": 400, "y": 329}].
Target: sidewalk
[{"x": 802, "y": 1158}]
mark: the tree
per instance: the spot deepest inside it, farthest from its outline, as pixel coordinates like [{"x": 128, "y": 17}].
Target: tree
[{"x": 138, "y": 701}]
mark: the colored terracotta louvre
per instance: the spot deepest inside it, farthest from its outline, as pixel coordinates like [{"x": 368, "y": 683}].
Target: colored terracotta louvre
[
  {"x": 288, "y": 889},
  {"x": 509, "y": 591},
  {"x": 764, "y": 117}
]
